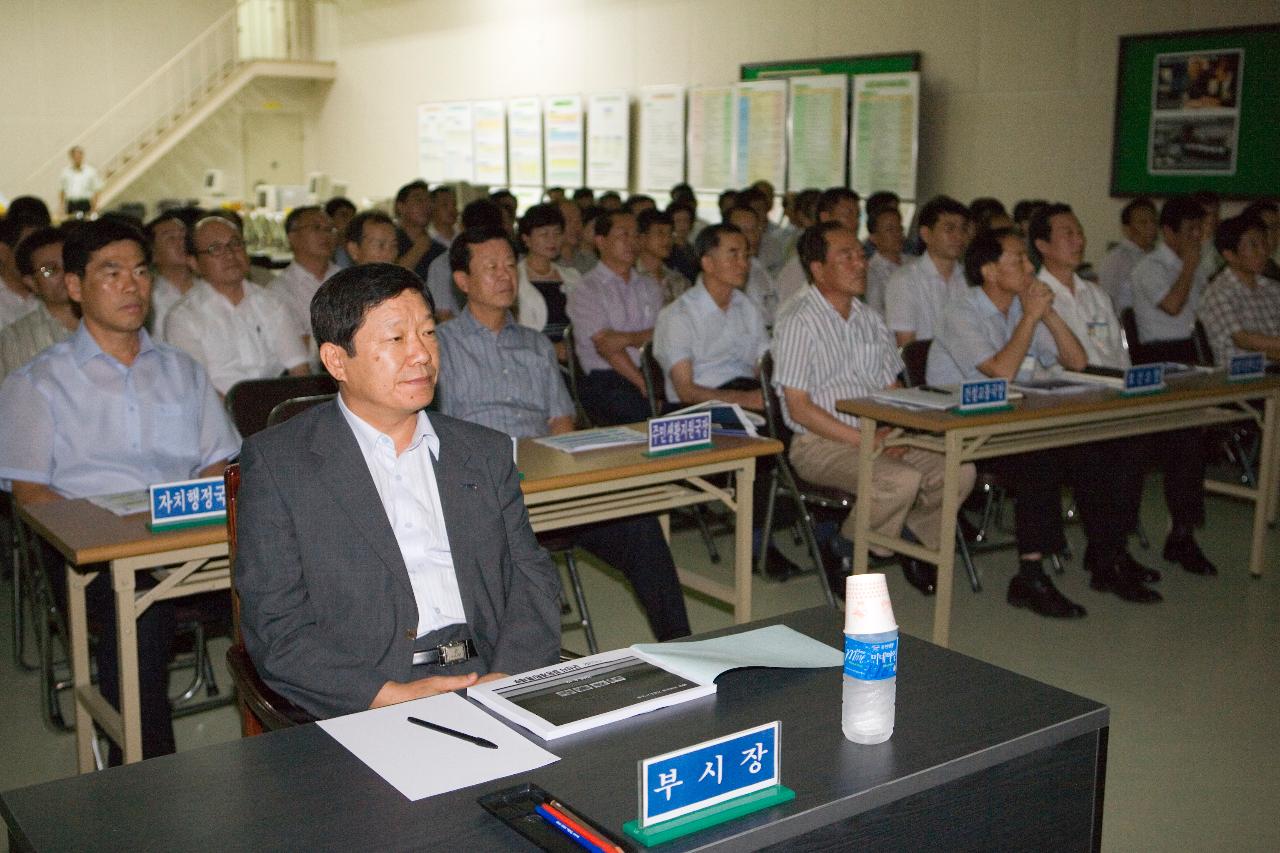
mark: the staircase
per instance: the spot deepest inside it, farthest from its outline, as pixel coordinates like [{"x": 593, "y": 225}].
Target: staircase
[{"x": 254, "y": 39}]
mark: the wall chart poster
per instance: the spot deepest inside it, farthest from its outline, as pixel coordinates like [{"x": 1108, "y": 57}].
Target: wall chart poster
[
  {"x": 563, "y": 142},
  {"x": 817, "y": 131},
  {"x": 524, "y": 141},
  {"x": 760, "y": 110},
  {"x": 609, "y": 140},
  {"x": 711, "y": 135},
  {"x": 1195, "y": 113},
  {"x": 458, "y": 154},
  {"x": 661, "y": 137},
  {"x": 431, "y": 142},
  {"x": 882, "y": 145},
  {"x": 489, "y": 143}
]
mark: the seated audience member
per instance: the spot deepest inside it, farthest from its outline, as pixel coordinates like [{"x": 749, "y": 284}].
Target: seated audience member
[
  {"x": 831, "y": 346},
  {"x": 726, "y": 201},
  {"x": 584, "y": 197},
  {"x": 446, "y": 297},
  {"x": 610, "y": 201},
  {"x": 772, "y": 251},
  {"x": 1268, "y": 213},
  {"x": 173, "y": 276},
  {"x": 884, "y": 227},
  {"x": 544, "y": 284},
  {"x": 110, "y": 410},
  {"x": 836, "y": 204},
  {"x": 28, "y": 210},
  {"x": 683, "y": 259},
  {"x": 1241, "y": 306},
  {"x": 613, "y": 312},
  {"x": 553, "y": 195},
  {"x": 1138, "y": 225},
  {"x": 1023, "y": 210},
  {"x": 1055, "y": 234},
  {"x": 1211, "y": 203},
  {"x": 504, "y": 376},
  {"x": 571, "y": 252},
  {"x": 916, "y": 294},
  {"x": 39, "y": 259},
  {"x": 684, "y": 193},
  {"x": 508, "y": 205},
  {"x": 761, "y": 288},
  {"x": 15, "y": 299},
  {"x": 371, "y": 239},
  {"x": 413, "y": 216},
  {"x": 1003, "y": 320},
  {"x": 638, "y": 203},
  {"x": 987, "y": 212},
  {"x": 1168, "y": 284},
  {"x": 312, "y": 237},
  {"x": 341, "y": 210},
  {"x": 655, "y": 230},
  {"x": 235, "y": 329},
  {"x": 444, "y": 215},
  {"x": 384, "y": 552}
]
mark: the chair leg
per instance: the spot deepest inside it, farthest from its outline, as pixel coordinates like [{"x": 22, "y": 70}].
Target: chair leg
[
  {"x": 197, "y": 667},
  {"x": 1142, "y": 536},
  {"x": 967, "y": 559},
  {"x": 783, "y": 470},
  {"x": 712, "y": 551},
  {"x": 766, "y": 537},
  {"x": 581, "y": 599},
  {"x": 1058, "y": 568},
  {"x": 988, "y": 514},
  {"x": 24, "y": 595}
]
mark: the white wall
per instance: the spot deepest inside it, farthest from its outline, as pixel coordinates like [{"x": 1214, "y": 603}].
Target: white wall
[
  {"x": 1018, "y": 94},
  {"x": 67, "y": 61}
]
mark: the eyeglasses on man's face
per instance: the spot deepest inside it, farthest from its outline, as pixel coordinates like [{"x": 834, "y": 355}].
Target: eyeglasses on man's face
[{"x": 217, "y": 250}]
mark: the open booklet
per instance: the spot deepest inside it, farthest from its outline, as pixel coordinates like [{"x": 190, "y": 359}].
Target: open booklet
[{"x": 727, "y": 418}]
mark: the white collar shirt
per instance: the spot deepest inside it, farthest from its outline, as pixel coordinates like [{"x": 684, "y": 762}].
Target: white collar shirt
[
  {"x": 295, "y": 286},
  {"x": 719, "y": 343},
  {"x": 762, "y": 290},
  {"x": 879, "y": 270},
  {"x": 1153, "y": 278},
  {"x": 917, "y": 294},
  {"x": 164, "y": 295},
  {"x": 1089, "y": 315},
  {"x": 80, "y": 184},
  {"x": 1114, "y": 270},
  {"x": 13, "y": 305},
  {"x": 974, "y": 330},
  {"x": 406, "y": 484}
]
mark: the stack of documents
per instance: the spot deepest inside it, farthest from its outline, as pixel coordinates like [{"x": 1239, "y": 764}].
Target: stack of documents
[{"x": 593, "y": 439}]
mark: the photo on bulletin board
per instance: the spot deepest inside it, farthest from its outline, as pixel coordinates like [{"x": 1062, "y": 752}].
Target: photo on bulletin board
[{"x": 1197, "y": 110}]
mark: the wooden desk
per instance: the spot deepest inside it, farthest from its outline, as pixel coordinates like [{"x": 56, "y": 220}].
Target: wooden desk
[
  {"x": 1041, "y": 421},
  {"x": 980, "y": 759},
  {"x": 185, "y": 562},
  {"x": 564, "y": 490}
]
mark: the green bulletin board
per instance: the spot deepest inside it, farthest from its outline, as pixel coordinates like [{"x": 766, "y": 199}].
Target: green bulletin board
[{"x": 1198, "y": 110}]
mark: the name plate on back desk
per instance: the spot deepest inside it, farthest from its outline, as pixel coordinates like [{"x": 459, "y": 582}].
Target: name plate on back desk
[
  {"x": 189, "y": 502},
  {"x": 1144, "y": 379},
  {"x": 981, "y": 395},
  {"x": 1249, "y": 365},
  {"x": 679, "y": 432}
]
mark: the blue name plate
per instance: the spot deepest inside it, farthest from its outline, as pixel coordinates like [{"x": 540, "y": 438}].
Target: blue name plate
[
  {"x": 679, "y": 432},
  {"x": 1249, "y": 365},
  {"x": 187, "y": 501},
  {"x": 709, "y": 773},
  {"x": 1144, "y": 378},
  {"x": 983, "y": 394}
]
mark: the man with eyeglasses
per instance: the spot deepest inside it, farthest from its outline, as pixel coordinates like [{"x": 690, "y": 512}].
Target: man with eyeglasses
[
  {"x": 234, "y": 328},
  {"x": 39, "y": 258},
  {"x": 312, "y": 237}
]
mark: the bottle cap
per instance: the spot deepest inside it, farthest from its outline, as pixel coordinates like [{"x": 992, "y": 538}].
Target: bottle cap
[{"x": 867, "y": 609}]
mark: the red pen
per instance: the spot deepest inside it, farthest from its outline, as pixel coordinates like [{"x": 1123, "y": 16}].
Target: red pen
[{"x": 578, "y": 825}]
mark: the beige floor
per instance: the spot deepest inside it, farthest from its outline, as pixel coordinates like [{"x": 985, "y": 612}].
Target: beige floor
[{"x": 1192, "y": 682}]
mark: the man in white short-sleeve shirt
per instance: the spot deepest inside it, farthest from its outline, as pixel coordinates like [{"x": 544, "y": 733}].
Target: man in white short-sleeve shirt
[
  {"x": 312, "y": 238},
  {"x": 234, "y": 328},
  {"x": 79, "y": 185},
  {"x": 1168, "y": 283},
  {"x": 916, "y": 295},
  {"x": 1138, "y": 224}
]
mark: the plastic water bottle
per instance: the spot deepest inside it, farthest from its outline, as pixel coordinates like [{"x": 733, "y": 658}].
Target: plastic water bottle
[{"x": 870, "y": 660}]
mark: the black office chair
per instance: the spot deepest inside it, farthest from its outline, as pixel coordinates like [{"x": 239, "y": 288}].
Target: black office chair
[
  {"x": 1239, "y": 443},
  {"x": 573, "y": 373},
  {"x": 295, "y": 406},
  {"x": 250, "y": 402}
]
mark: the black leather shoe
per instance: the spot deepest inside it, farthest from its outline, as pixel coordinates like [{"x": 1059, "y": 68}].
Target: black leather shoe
[
  {"x": 1132, "y": 567},
  {"x": 1038, "y": 594},
  {"x": 923, "y": 576},
  {"x": 1124, "y": 585},
  {"x": 1184, "y": 550},
  {"x": 777, "y": 566}
]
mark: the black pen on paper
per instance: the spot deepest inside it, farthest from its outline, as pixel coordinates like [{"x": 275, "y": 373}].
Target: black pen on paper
[{"x": 478, "y": 741}]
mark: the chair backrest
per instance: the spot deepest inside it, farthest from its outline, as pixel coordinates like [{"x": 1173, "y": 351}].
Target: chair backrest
[
  {"x": 250, "y": 402},
  {"x": 574, "y": 371},
  {"x": 915, "y": 358},
  {"x": 231, "y": 484},
  {"x": 775, "y": 427},
  {"x": 295, "y": 406},
  {"x": 655, "y": 383},
  {"x": 1129, "y": 322},
  {"x": 1200, "y": 342}
]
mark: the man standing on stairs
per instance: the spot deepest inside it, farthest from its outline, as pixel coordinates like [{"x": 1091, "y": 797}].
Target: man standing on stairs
[{"x": 80, "y": 185}]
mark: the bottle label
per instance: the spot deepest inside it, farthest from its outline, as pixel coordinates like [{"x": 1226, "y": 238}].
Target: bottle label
[{"x": 870, "y": 661}]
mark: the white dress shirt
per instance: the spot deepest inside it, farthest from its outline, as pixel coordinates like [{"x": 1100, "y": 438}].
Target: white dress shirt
[
  {"x": 295, "y": 285},
  {"x": 762, "y": 290},
  {"x": 1088, "y": 313},
  {"x": 879, "y": 270},
  {"x": 719, "y": 343},
  {"x": 1114, "y": 270},
  {"x": 916, "y": 295},
  {"x": 164, "y": 295},
  {"x": 252, "y": 340},
  {"x": 1153, "y": 278},
  {"x": 80, "y": 184},
  {"x": 406, "y": 483}
]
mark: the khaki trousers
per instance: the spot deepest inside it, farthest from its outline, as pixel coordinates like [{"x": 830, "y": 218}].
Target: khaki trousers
[{"x": 905, "y": 492}]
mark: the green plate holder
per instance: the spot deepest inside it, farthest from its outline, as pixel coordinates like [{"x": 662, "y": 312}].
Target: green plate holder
[
  {"x": 183, "y": 525},
  {"x": 669, "y": 830}
]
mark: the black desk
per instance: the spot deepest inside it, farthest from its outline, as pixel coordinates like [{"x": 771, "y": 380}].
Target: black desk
[{"x": 980, "y": 758}]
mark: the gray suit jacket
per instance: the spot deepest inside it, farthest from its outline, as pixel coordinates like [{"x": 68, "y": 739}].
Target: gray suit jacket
[{"x": 327, "y": 609}]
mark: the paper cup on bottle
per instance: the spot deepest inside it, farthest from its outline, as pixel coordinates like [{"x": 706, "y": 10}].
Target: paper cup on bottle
[{"x": 867, "y": 609}]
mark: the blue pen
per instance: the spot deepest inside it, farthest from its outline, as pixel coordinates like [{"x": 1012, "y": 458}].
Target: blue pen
[{"x": 567, "y": 830}]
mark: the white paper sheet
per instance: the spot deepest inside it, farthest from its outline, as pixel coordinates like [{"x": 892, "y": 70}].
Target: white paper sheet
[
  {"x": 418, "y": 762},
  {"x": 776, "y": 645},
  {"x": 124, "y": 503}
]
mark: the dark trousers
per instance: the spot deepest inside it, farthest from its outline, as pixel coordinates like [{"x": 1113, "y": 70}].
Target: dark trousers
[
  {"x": 1106, "y": 480},
  {"x": 78, "y": 205},
  {"x": 635, "y": 547},
  {"x": 1180, "y": 454},
  {"x": 609, "y": 399}
]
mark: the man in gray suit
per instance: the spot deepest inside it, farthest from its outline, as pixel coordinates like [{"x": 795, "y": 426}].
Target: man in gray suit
[{"x": 385, "y": 554}]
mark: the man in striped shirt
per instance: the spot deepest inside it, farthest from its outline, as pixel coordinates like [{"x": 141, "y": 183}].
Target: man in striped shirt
[
  {"x": 831, "y": 347},
  {"x": 39, "y": 258}
]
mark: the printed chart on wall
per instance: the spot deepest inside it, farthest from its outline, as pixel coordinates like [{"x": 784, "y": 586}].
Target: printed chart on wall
[
  {"x": 562, "y": 138},
  {"x": 609, "y": 140},
  {"x": 819, "y": 109},
  {"x": 1195, "y": 113},
  {"x": 760, "y": 110},
  {"x": 882, "y": 145},
  {"x": 524, "y": 141},
  {"x": 661, "y": 137},
  {"x": 489, "y": 142},
  {"x": 431, "y": 141},
  {"x": 711, "y": 137},
  {"x": 458, "y": 156}
]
